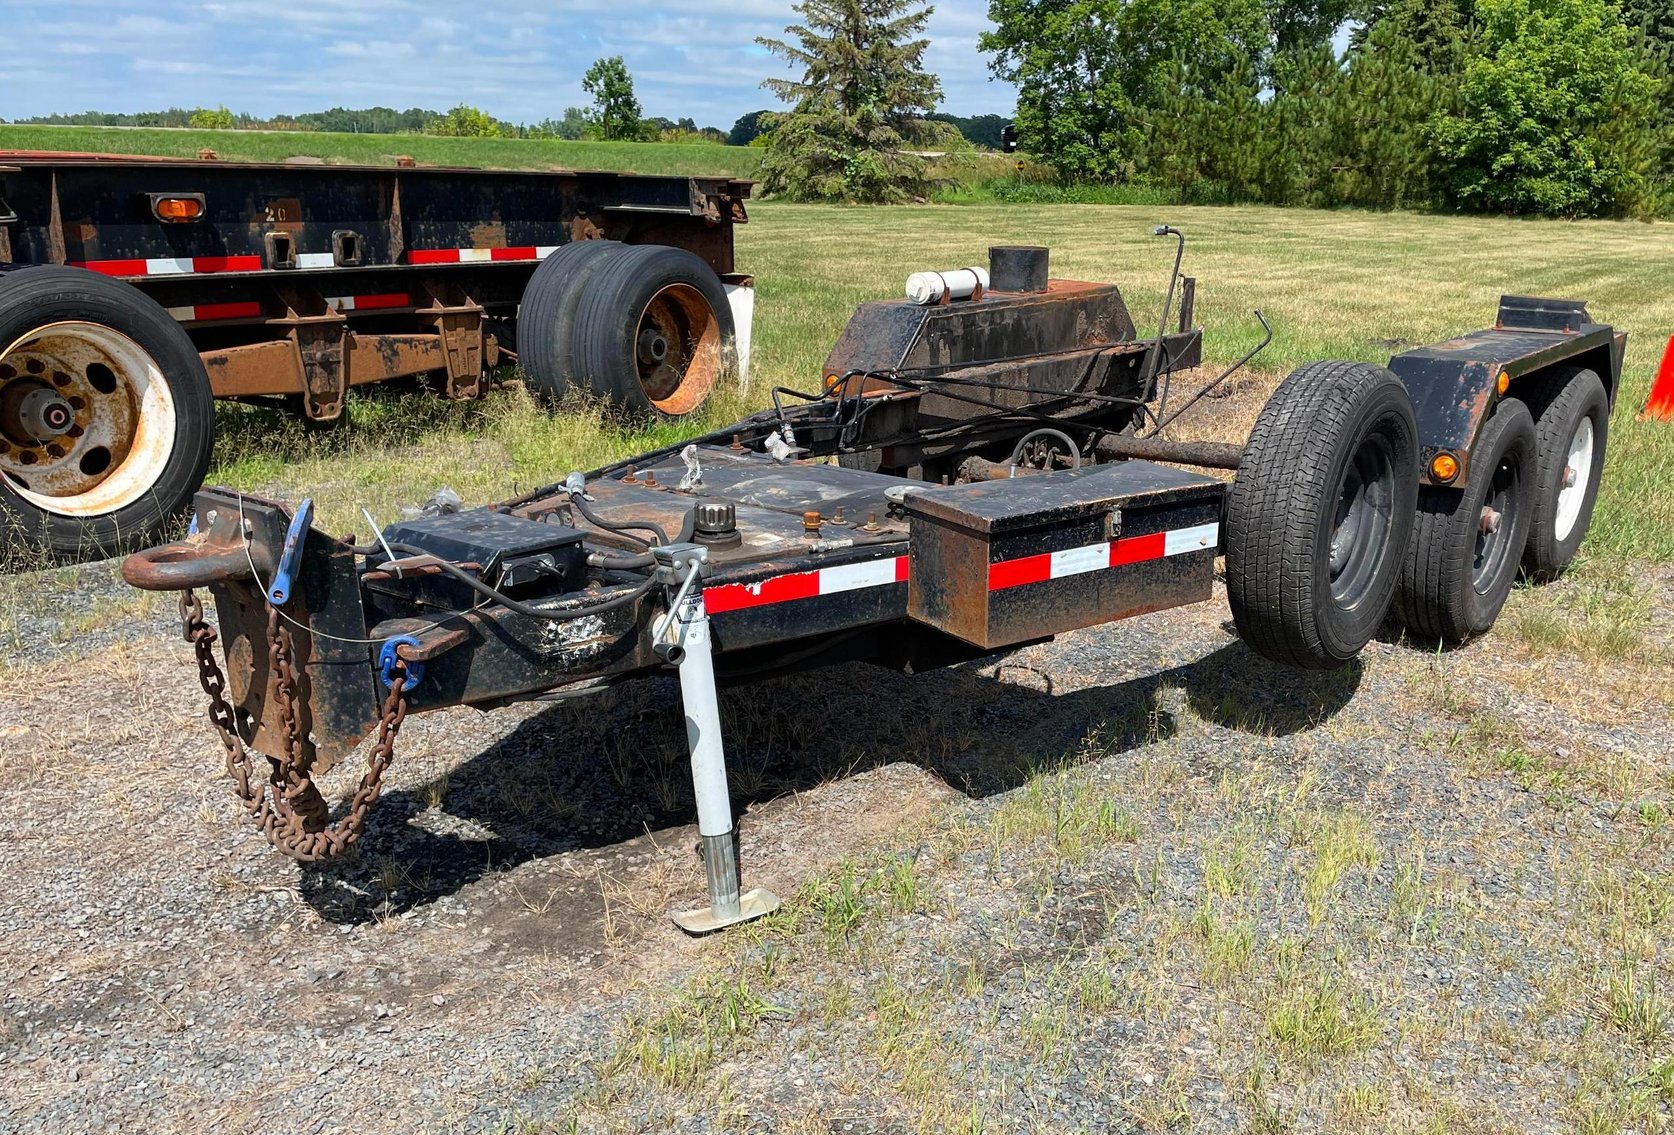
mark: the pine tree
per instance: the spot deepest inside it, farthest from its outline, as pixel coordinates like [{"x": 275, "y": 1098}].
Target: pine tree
[{"x": 859, "y": 103}]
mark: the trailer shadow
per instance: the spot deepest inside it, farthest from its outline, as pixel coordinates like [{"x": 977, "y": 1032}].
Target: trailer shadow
[{"x": 588, "y": 775}]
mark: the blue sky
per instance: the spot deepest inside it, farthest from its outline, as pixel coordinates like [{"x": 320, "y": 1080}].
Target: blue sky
[{"x": 520, "y": 60}]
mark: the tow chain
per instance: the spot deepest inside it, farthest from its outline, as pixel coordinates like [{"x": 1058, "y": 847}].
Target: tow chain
[{"x": 294, "y": 816}]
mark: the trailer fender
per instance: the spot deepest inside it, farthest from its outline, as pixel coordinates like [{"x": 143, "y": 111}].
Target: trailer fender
[{"x": 1456, "y": 385}]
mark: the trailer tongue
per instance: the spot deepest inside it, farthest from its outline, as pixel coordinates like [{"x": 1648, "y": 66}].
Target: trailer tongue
[{"x": 983, "y": 495}]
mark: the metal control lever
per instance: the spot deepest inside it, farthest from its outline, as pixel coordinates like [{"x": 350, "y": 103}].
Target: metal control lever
[{"x": 682, "y": 638}]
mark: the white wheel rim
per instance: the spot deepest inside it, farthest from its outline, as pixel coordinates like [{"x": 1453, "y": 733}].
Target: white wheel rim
[
  {"x": 121, "y": 435},
  {"x": 1578, "y": 472}
]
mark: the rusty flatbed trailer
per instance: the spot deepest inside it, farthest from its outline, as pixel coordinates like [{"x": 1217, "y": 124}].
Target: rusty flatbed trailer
[
  {"x": 964, "y": 480},
  {"x": 134, "y": 290}
]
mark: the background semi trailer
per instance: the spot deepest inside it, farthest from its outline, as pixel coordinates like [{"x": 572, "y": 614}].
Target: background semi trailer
[{"x": 134, "y": 291}]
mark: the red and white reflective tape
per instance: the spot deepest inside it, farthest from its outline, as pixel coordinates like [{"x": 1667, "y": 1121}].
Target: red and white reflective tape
[
  {"x": 1099, "y": 557},
  {"x": 804, "y": 585},
  {"x": 305, "y": 261},
  {"x": 370, "y": 303},
  {"x": 188, "y": 266},
  {"x": 479, "y": 255},
  {"x": 209, "y": 312}
]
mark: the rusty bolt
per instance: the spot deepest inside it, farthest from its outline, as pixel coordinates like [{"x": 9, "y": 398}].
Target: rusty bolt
[
  {"x": 737, "y": 445},
  {"x": 838, "y": 518},
  {"x": 650, "y": 479},
  {"x": 871, "y": 522},
  {"x": 628, "y": 478},
  {"x": 405, "y": 161},
  {"x": 811, "y": 523}
]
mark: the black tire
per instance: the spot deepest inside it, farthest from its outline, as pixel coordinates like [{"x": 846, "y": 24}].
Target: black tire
[
  {"x": 1318, "y": 518},
  {"x": 99, "y": 494},
  {"x": 546, "y": 315},
  {"x": 1458, "y": 574},
  {"x": 1563, "y": 403},
  {"x": 658, "y": 295}
]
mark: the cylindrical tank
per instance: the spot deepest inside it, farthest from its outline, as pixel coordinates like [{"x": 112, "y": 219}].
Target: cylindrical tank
[
  {"x": 930, "y": 287},
  {"x": 1018, "y": 267}
]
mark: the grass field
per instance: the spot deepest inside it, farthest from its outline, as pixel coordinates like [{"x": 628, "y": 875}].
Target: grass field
[
  {"x": 381, "y": 149},
  {"x": 1334, "y": 285}
]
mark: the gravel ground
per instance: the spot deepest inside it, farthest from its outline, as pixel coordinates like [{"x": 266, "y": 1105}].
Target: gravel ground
[{"x": 1134, "y": 879}]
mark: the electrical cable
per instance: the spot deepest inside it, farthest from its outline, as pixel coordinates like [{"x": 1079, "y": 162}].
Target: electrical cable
[{"x": 525, "y": 609}]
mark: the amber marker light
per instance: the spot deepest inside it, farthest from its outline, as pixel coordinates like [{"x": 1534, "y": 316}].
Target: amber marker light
[
  {"x": 1444, "y": 467},
  {"x": 1503, "y": 383},
  {"x": 177, "y": 208}
]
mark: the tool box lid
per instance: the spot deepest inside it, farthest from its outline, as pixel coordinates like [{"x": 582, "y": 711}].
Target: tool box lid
[{"x": 1033, "y": 499}]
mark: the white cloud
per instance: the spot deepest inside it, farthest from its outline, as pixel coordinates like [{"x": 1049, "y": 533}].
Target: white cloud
[{"x": 517, "y": 59}]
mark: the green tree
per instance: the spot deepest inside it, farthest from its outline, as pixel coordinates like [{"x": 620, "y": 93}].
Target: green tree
[
  {"x": 572, "y": 126},
  {"x": 1653, "y": 17},
  {"x": 615, "y": 107},
  {"x": 1091, "y": 73},
  {"x": 859, "y": 103},
  {"x": 749, "y": 127},
  {"x": 466, "y": 122},
  {"x": 204, "y": 118},
  {"x": 1300, "y": 24},
  {"x": 1437, "y": 29},
  {"x": 1557, "y": 113}
]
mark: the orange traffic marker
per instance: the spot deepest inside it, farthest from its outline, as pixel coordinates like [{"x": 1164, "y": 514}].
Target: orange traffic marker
[{"x": 1660, "y": 405}]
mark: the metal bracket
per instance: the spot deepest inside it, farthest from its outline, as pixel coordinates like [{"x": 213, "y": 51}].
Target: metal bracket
[
  {"x": 322, "y": 347},
  {"x": 461, "y": 329},
  {"x": 674, "y": 562}
]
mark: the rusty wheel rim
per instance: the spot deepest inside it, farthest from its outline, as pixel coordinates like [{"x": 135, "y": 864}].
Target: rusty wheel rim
[
  {"x": 87, "y": 420},
  {"x": 677, "y": 349}
]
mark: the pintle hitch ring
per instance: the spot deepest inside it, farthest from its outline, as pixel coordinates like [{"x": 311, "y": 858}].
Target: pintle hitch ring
[{"x": 191, "y": 563}]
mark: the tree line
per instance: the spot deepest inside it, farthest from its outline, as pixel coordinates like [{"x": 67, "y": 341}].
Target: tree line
[{"x": 1544, "y": 107}]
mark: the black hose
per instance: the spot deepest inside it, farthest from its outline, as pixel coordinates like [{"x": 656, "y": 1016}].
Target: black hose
[
  {"x": 622, "y": 563},
  {"x": 525, "y": 609},
  {"x": 598, "y": 521}
]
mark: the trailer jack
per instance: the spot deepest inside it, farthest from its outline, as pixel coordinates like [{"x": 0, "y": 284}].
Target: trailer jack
[{"x": 682, "y": 637}]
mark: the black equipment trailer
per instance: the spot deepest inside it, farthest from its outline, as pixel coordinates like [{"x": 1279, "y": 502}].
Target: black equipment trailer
[
  {"x": 970, "y": 476},
  {"x": 133, "y": 291}
]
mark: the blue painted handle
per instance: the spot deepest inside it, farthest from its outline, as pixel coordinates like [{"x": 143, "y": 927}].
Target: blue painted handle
[{"x": 290, "y": 559}]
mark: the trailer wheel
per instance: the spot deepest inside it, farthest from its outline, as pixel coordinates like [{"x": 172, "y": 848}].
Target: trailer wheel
[
  {"x": 1319, "y": 514},
  {"x": 653, "y": 330},
  {"x": 1572, "y": 423},
  {"x": 106, "y": 416},
  {"x": 546, "y": 316},
  {"x": 1467, "y": 544}
]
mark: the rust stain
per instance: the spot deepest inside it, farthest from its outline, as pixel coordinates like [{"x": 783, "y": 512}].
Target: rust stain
[{"x": 489, "y": 234}]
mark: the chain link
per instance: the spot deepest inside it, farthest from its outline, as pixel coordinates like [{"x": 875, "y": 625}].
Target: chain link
[{"x": 294, "y": 816}]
